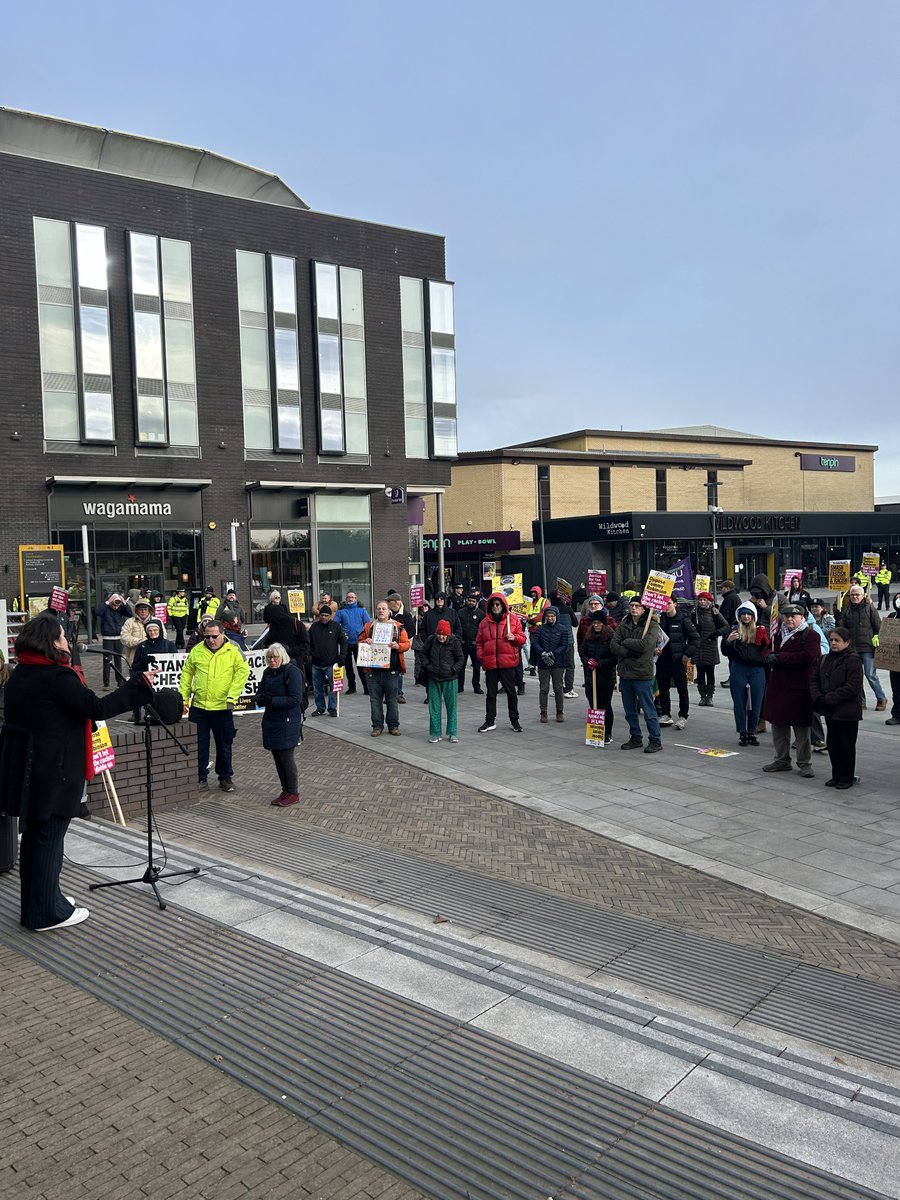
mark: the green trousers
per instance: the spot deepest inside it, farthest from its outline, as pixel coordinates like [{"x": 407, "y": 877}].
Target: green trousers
[{"x": 446, "y": 693}]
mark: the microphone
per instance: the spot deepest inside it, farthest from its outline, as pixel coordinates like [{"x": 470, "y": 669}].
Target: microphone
[{"x": 83, "y": 648}]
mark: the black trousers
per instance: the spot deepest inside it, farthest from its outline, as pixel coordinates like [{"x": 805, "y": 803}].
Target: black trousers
[
  {"x": 606, "y": 686},
  {"x": 504, "y": 677},
  {"x": 350, "y": 677},
  {"x": 895, "y": 694},
  {"x": 669, "y": 671},
  {"x": 884, "y": 593},
  {"x": 471, "y": 656},
  {"x": 706, "y": 677},
  {"x": 841, "y": 743},
  {"x": 115, "y": 645},
  {"x": 40, "y": 863},
  {"x": 286, "y": 766},
  {"x": 179, "y": 624}
]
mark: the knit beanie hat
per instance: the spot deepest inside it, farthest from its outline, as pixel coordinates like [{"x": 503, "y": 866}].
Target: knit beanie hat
[
  {"x": 705, "y": 596},
  {"x": 443, "y": 627}
]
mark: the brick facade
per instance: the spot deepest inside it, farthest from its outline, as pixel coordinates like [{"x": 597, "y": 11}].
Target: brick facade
[{"x": 174, "y": 774}]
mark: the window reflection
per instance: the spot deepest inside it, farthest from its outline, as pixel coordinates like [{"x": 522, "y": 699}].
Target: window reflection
[
  {"x": 176, "y": 265},
  {"x": 332, "y": 424},
  {"x": 151, "y": 419},
  {"x": 351, "y": 296},
  {"x": 148, "y": 346},
  {"x": 441, "y": 307},
  {"x": 90, "y": 248},
  {"x": 289, "y": 427},
  {"x": 251, "y": 281},
  {"x": 286, "y": 366},
  {"x": 144, "y": 269},
  {"x": 95, "y": 340},
  {"x": 98, "y": 417},
  {"x": 53, "y": 253},
  {"x": 284, "y": 289},
  {"x": 326, "y": 292},
  {"x": 329, "y": 364}
]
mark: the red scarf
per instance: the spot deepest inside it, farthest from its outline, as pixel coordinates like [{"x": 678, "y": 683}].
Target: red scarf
[{"x": 30, "y": 658}]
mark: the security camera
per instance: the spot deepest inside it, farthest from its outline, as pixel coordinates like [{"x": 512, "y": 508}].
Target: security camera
[{"x": 388, "y": 491}]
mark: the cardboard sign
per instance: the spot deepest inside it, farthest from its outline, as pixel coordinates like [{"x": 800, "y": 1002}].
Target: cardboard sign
[
  {"x": 838, "y": 574},
  {"x": 564, "y": 589},
  {"x": 707, "y": 751},
  {"x": 416, "y": 595},
  {"x": 596, "y": 583},
  {"x": 161, "y": 612},
  {"x": 657, "y": 590},
  {"x": 887, "y": 652},
  {"x": 296, "y": 601},
  {"x": 510, "y": 586},
  {"x": 701, "y": 583},
  {"x": 170, "y": 666},
  {"x": 871, "y": 563},
  {"x": 790, "y": 575},
  {"x": 374, "y": 657},
  {"x": 59, "y": 599},
  {"x": 488, "y": 570},
  {"x": 102, "y": 751},
  {"x": 337, "y": 679},
  {"x": 595, "y": 730},
  {"x": 382, "y": 633}
]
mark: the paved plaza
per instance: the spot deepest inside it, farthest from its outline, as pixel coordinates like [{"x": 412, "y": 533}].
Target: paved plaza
[{"x": 387, "y": 990}]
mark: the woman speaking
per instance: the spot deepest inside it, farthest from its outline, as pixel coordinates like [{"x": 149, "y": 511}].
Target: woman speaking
[{"x": 45, "y": 760}]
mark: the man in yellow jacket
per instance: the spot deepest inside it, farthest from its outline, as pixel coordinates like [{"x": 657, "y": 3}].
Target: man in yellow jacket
[
  {"x": 212, "y": 680},
  {"x": 179, "y": 608},
  {"x": 883, "y": 583}
]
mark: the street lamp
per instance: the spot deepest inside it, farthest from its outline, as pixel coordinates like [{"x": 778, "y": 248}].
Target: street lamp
[{"x": 714, "y": 511}]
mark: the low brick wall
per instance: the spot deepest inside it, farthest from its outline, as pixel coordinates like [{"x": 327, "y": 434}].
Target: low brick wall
[{"x": 174, "y": 775}]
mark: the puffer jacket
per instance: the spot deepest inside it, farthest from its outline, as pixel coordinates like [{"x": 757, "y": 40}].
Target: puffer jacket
[
  {"x": 443, "y": 660},
  {"x": 351, "y": 618},
  {"x": 710, "y": 626},
  {"x": 214, "y": 678},
  {"x": 752, "y": 654},
  {"x": 863, "y": 621},
  {"x": 552, "y": 638},
  {"x": 634, "y": 648},
  {"x": 445, "y": 613},
  {"x": 493, "y": 645},
  {"x": 469, "y": 620},
  {"x": 280, "y": 693},
  {"x": 683, "y": 636},
  {"x": 836, "y": 687}
]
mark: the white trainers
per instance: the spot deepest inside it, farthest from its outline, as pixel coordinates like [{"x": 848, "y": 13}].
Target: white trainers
[
  {"x": 665, "y": 719},
  {"x": 454, "y": 740},
  {"x": 680, "y": 723},
  {"x": 79, "y": 915},
  {"x": 434, "y": 739},
  {"x": 573, "y": 695}
]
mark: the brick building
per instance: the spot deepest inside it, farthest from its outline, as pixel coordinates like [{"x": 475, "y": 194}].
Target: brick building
[
  {"x": 186, "y": 348},
  {"x": 630, "y": 484}
]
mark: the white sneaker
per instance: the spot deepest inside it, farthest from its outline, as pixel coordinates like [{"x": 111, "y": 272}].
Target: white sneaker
[
  {"x": 454, "y": 740},
  {"x": 665, "y": 719},
  {"x": 434, "y": 739},
  {"x": 573, "y": 695},
  {"x": 681, "y": 722},
  {"x": 79, "y": 915}
]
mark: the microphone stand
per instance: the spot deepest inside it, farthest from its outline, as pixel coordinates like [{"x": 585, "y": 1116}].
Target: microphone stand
[{"x": 152, "y": 874}]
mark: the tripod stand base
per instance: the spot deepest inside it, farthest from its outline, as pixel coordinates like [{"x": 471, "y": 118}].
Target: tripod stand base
[{"x": 151, "y": 876}]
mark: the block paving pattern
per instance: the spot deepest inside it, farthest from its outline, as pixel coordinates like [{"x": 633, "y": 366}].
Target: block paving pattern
[{"x": 362, "y": 794}]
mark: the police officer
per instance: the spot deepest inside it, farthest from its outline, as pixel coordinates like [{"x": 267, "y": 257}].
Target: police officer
[{"x": 178, "y": 613}]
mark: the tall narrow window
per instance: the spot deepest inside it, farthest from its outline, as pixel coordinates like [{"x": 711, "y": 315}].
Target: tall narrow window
[
  {"x": 442, "y": 370},
  {"x": 340, "y": 345},
  {"x": 73, "y": 313},
  {"x": 162, "y": 315},
  {"x": 605, "y": 491},
  {"x": 353, "y": 361},
  {"x": 661, "y": 492},
  {"x": 415, "y": 405},
  {"x": 543, "y": 489},
  {"x": 270, "y": 353},
  {"x": 712, "y": 487}
]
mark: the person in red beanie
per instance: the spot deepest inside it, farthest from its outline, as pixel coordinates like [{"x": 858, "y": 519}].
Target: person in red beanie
[
  {"x": 711, "y": 626},
  {"x": 443, "y": 659}
]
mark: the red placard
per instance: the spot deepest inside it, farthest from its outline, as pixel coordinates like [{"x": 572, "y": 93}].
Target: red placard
[{"x": 417, "y": 595}]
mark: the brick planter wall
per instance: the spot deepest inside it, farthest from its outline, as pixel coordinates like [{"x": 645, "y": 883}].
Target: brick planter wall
[{"x": 174, "y": 776}]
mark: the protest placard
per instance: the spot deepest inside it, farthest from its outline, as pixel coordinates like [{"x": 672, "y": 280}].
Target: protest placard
[
  {"x": 510, "y": 586},
  {"x": 839, "y": 574},
  {"x": 871, "y": 563},
  {"x": 161, "y": 612},
  {"x": 701, "y": 584},
  {"x": 382, "y": 633},
  {"x": 170, "y": 666},
  {"x": 102, "y": 752},
  {"x": 564, "y": 589},
  {"x": 296, "y": 601},
  {"x": 790, "y": 574},
  {"x": 887, "y": 652},
  {"x": 374, "y": 656},
  {"x": 657, "y": 590},
  {"x": 59, "y": 599},
  {"x": 488, "y": 570},
  {"x": 596, "y": 583},
  {"x": 416, "y": 595},
  {"x": 337, "y": 679},
  {"x": 595, "y": 730}
]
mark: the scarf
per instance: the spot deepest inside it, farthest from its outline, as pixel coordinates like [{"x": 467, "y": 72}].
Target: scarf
[{"x": 30, "y": 658}]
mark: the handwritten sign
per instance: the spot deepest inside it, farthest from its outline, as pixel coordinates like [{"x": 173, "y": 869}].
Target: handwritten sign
[
  {"x": 657, "y": 590},
  {"x": 701, "y": 583},
  {"x": 596, "y": 583},
  {"x": 374, "y": 657},
  {"x": 102, "y": 752},
  {"x": 417, "y": 595},
  {"x": 871, "y": 563},
  {"x": 337, "y": 679},
  {"x": 839, "y": 574},
  {"x": 564, "y": 589},
  {"x": 296, "y": 601},
  {"x": 59, "y": 599},
  {"x": 595, "y": 730},
  {"x": 887, "y": 652}
]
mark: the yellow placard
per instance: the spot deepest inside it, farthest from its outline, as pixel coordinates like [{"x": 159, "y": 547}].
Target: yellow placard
[
  {"x": 337, "y": 679},
  {"x": 296, "y": 601},
  {"x": 871, "y": 563},
  {"x": 102, "y": 749},
  {"x": 595, "y": 730},
  {"x": 510, "y": 586},
  {"x": 658, "y": 590},
  {"x": 701, "y": 584},
  {"x": 564, "y": 588},
  {"x": 839, "y": 574}
]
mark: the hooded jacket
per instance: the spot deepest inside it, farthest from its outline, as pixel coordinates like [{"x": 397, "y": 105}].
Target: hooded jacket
[
  {"x": 634, "y": 648},
  {"x": 752, "y": 654},
  {"x": 447, "y": 613},
  {"x": 469, "y": 620},
  {"x": 552, "y": 638},
  {"x": 443, "y": 660},
  {"x": 493, "y": 645},
  {"x": 863, "y": 621}
]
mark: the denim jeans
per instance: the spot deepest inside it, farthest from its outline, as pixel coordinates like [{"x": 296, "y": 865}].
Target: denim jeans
[
  {"x": 384, "y": 689},
  {"x": 219, "y": 723},
  {"x": 321, "y": 677},
  {"x": 638, "y": 693},
  {"x": 871, "y": 674}
]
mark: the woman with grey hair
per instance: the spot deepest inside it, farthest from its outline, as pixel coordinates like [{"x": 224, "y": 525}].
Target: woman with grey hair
[{"x": 281, "y": 693}]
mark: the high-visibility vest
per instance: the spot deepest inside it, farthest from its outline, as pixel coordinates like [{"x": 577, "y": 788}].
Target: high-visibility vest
[
  {"x": 534, "y": 608},
  {"x": 883, "y": 576},
  {"x": 178, "y": 606}
]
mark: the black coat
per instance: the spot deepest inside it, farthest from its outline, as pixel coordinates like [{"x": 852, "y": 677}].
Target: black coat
[
  {"x": 443, "y": 661},
  {"x": 280, "y": 693},
  {"x": 729, "y": 605},
  {"x": 42, "y": 745},
  {"x": 327, "y": 644},
  {"x": 469, "y": 620},
  {"x": 450, "y": 615},
  {"x": 836, "y": 687},
  {"x": 281, "y": 625},
  {"x": 683, "y": 636},
  {"x": 710, "y": 627},
  {"x": 144, "y": 655}
]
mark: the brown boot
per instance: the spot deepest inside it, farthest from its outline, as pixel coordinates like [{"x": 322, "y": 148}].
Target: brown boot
[
  {"x": 881, "y": 705},
  {"x": 543, "y": 718},
  {"x": 560, "y": 717}
]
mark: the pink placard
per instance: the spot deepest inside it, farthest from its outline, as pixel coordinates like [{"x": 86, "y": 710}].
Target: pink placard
[
  {"x": 59, "y": 599},
  {"x": 417, "y": 595},
  {"x": 161, "y": 612},
  {"x": 788, "y": 576},
  {"x": 655, "y": 600},
  {"x": 596, "y": 582}
]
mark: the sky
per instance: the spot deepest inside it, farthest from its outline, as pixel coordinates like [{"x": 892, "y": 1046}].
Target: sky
[{"x": 656, "y": 213}]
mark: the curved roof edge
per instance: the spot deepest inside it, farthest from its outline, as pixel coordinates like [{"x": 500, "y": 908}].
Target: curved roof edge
[{"x": 55, "y": 139}]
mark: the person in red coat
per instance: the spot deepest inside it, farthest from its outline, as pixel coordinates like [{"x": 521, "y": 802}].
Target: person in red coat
[
  {"x": 788, "y": 702},
  {"x": 498, "y": 645}
]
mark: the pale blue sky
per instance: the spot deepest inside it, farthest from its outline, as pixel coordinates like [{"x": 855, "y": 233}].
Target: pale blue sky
[{"x": 674, "y": 212}]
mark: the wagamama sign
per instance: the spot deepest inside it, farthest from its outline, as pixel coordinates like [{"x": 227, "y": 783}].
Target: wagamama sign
[{"x": 131, "y": 508}]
